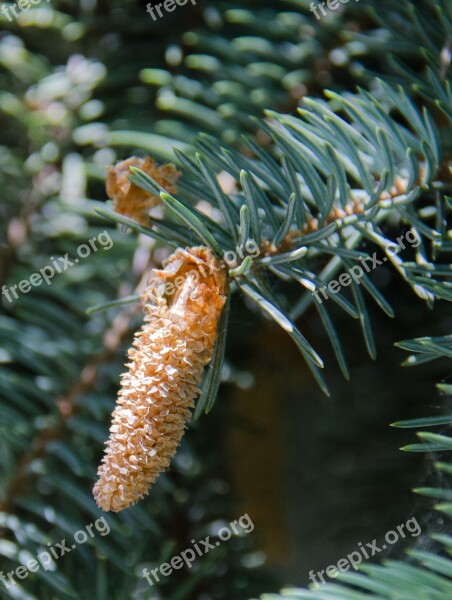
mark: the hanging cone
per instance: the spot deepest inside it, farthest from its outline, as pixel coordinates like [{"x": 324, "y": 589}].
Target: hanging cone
[{"x": 182, "y": 306}]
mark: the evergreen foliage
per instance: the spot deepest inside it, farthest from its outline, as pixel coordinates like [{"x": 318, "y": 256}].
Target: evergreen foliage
[{"x": 318, "y": 189}]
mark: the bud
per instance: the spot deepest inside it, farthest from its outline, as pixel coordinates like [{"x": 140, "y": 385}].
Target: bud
[{"x": 129, "y": 199}]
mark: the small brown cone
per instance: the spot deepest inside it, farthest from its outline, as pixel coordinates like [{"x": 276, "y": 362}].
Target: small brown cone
[
  {"x": 182, "y": 305},
  {"x": 130, "y": 200}
]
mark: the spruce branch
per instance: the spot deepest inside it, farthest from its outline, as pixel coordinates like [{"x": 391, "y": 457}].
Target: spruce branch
[{"x": 306, "y": 207}]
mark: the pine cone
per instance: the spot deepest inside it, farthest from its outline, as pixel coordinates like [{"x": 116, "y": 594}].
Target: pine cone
[{"x": 182, "y": 305}]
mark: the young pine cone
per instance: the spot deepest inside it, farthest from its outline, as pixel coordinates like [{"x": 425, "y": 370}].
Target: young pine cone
[{"x": 182, "y": 306}]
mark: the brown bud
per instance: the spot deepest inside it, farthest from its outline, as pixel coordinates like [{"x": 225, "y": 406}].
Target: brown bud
[{"x": 130, "y": 200}]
